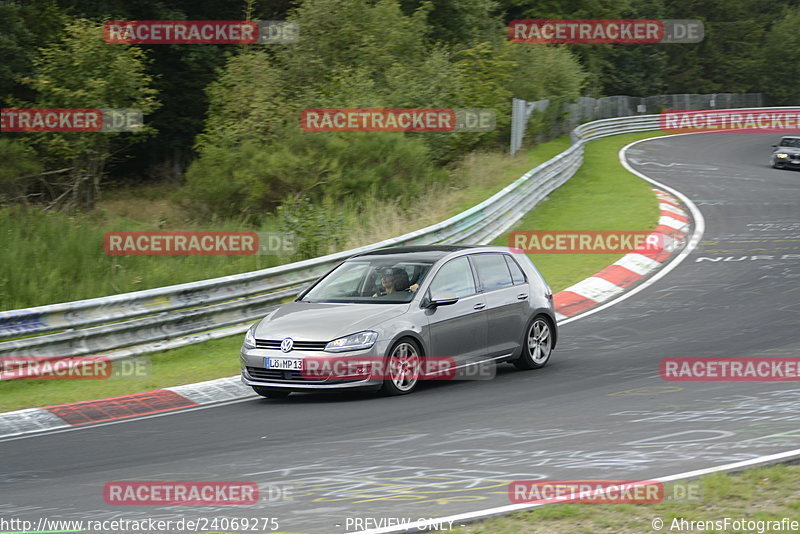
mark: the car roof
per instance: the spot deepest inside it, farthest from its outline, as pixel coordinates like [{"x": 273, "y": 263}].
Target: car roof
[
  {"x": 419, "y": 252},
  {"x": 427, "y": 252}
]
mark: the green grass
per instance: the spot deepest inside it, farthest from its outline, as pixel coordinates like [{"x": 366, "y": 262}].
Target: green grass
[
  {"x": 511, "y": 168},
  {"x": 764, "y": 493},
  {"x": 628, "y": 204},
  {"x": 601, "y": 196},
  {"x": 50, "y": 257}
]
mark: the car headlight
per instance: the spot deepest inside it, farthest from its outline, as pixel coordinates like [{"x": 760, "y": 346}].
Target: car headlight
[
  {"x": 250, "y": 338},
  {"x": 782, "y": 155},
  {"x": 359, "y": 341}
]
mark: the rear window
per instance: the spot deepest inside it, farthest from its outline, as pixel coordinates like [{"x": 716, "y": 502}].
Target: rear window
[{"x": 517, "y": 275}]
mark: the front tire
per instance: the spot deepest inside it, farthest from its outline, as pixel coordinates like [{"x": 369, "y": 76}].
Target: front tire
[
  {"x": 537, "y": 345},
  {"x": 271, "y": 393},
  {"x": 403, "y": 365}
]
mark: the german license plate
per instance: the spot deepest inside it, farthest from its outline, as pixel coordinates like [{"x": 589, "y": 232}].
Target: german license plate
[{"x": 285, "y": 364}]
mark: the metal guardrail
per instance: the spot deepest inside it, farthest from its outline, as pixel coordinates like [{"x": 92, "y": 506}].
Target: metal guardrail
[
  {"x": 139, "y": 322},
  {"x": 585, "y": 109}
]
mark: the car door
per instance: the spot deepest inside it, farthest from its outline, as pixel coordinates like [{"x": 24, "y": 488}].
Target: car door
[
  {"x": 505, "y": 303},
  {"x": 457, "y": 330}
]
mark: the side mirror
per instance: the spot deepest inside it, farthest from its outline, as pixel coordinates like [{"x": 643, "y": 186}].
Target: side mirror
[
  {"x": 774, "y": 146},
  {"x": 442, "y": 299}
]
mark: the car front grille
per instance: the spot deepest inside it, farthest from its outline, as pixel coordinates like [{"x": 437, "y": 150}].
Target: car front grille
[
  {"x": 277, "y": 375},
  {"x": 259, "y": 373},
  {"x": 297, "y": 345}
]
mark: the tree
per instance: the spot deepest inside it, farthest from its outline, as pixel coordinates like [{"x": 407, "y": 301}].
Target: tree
[
  {"x": 247, "y": 102},
  {"x": 23, "y": 28},
  {"x": 781, "y": 63},
  {"x": 593, "y": 57},
  {"x": 728, "y": 57},
  {"x": 638, "y": 69},
  {"x": 459, "y": 23},
  {"x": 546, "y": 71},
  {"x": 83, "y": 71}
]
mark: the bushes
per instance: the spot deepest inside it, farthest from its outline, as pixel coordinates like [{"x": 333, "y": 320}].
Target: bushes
[
  {"x": 318, "y": 229},
  {"x": 371, "y": 55},
  {"x": 251, "y": 179},
  {"x": 20, "y": 166}
]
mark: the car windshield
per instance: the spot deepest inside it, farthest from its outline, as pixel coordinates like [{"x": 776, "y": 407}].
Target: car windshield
[
  {"x": 379, "y": 280},
  {"x": 793, "y": 142}
]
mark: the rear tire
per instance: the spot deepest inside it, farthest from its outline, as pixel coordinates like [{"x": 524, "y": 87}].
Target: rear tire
[
  {"x": 537, "y": 345},
  {"x": 403, "y": 365},
  {"x": 271, "y": 393}
]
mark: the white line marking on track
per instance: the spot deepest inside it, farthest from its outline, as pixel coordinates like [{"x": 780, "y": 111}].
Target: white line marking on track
[{"x": 419, "y": 526}]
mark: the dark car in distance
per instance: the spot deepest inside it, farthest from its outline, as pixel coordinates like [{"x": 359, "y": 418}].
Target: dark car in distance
[{"x": 786, "y": 154}]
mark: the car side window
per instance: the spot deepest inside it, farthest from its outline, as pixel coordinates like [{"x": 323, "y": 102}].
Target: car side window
[
  {"x": 517, "y": 276},
  {"x": 492, "y": 271},
  {"x": 455, "y": 277}
]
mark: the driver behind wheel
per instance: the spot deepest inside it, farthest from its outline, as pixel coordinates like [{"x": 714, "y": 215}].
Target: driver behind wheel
[{"x": 394, "y": 280}]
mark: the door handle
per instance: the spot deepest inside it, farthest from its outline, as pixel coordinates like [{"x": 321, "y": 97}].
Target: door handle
[
  {"x": 479, "y": 306},
  {"x": 522, "y": 296}
]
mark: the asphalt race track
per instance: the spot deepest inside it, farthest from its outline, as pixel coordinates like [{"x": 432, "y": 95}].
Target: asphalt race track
[{"x": 598, "y": 411}]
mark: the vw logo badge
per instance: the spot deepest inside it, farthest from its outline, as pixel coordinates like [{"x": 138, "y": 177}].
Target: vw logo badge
[{"x": 287, "y": 344}]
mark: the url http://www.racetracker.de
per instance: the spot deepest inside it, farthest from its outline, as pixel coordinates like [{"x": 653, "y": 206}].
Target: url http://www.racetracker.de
[{"x": 141, "y": 526}]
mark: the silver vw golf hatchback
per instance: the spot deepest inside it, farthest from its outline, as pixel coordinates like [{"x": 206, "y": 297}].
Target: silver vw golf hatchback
[{"x": 389, "y": 318}]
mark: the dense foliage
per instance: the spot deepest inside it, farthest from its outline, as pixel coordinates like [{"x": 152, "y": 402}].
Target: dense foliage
[{"x": 223, "y": 119}]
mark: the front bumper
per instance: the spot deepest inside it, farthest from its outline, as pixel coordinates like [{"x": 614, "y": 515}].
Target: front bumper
[
  {"x": 791, "y": 162},
  {"x": 254, "y": 372}
]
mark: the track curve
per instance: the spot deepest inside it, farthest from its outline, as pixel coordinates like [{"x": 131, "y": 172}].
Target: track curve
[{"x": 599, "y": 410}]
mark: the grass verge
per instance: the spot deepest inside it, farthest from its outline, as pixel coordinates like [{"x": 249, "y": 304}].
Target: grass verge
[
  {"x": 601, "y": 196},
  {"x": 626, "y": 201},
  {"x": 194, "y": 363},
  {"x": 52, "y": 257},
  {"x": 759, "y": 494}
]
